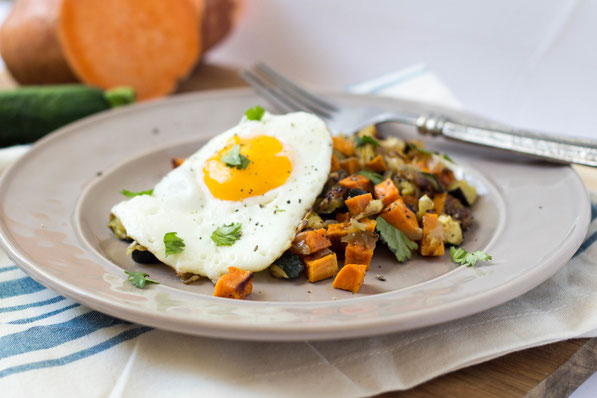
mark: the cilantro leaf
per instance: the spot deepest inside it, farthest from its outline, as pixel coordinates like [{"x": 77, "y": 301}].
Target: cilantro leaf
[
  {"x": 415, "y": 147},
  {"x": 130, "y": 194},
  {"x": 139, "y": 279},
  {"x": 445, "y": 156},
  {"x": 255, "y": 113},
  {"x": 375, "y": 178},
  {"x": 399, "y": 244},
  {"x": 173, "y": 243},
  {"x": 226, "y": 235},
  {"x": 366, "y": 139},
  {"x": 461, "y": 256},
  {"x": 233, "y": 158}
]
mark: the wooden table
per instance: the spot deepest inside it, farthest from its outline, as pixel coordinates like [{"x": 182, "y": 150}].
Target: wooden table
[{"x": 552, "y": 370}]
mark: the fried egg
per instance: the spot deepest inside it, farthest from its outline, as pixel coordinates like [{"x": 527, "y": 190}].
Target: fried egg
[{"x": 289, "y": 159}]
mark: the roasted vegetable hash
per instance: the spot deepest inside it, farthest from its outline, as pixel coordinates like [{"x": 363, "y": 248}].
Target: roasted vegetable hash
[{"x": 384, "y": 191}]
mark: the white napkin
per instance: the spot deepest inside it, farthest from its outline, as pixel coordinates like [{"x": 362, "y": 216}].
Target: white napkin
[{"x": 53, "y": 347}]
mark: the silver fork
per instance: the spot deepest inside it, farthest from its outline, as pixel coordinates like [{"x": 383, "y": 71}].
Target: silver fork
[{"x": 287, "y": 96}]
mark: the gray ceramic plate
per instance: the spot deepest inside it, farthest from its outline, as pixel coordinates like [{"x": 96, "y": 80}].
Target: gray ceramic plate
[{"x": 55, "y": 202}]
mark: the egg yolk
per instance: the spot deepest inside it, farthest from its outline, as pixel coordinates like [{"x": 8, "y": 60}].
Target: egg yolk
[{"x": 268, "y": 167}]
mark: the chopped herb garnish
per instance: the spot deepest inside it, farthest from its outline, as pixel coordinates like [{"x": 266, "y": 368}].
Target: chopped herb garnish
[
  {"x": 255, "y": 113},
  {"x": 415, "y": 147},
  {"x": 399, "y": 244},
  {"x": 139, "y": 279},
  {"x": 173, "y": 243},
  {"x": 234, "y": 159},
  {"x": 130, "y": 194},
  {"x": 461, "y": 256},
  {"x": 375, "y": 178},
  {"x": 226, "y": 235},
  {"x": 365, "y": 140},
  {"x": 445, "y": 156}
]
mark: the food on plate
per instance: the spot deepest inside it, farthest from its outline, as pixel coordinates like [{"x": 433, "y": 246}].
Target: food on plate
[
  {"x": 279, "y": 192},
  {"x": 29, "y": 113},
  {"x": 350, "y": 277},
  {"x": 147, "y": 44},
  {"x": 237, "y": 284}
]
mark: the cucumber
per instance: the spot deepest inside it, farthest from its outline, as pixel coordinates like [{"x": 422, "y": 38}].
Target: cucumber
[{"x": 28, "y": 113}]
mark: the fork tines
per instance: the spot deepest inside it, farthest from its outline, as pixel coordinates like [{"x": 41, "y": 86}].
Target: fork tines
[{"x": 283, "y": 93}]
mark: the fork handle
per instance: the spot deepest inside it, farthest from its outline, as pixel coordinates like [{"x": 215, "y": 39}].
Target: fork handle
[{"x": 547, "y": 146}]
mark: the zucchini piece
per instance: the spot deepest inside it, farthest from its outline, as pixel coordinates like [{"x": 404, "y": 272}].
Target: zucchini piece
[
  {"x": 290, "y": 264},
  {"x": 29, "y": 113},
  {"x": 118, "y": 228},
  {"x": 435, "y": 184},
  {"x": 461, "y": 190},
  {"x": 356, "y": 192},
  {"x": 144, "y": 257}
]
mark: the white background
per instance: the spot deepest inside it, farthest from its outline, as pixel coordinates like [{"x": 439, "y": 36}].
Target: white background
[{"x": 530, "y": 63}]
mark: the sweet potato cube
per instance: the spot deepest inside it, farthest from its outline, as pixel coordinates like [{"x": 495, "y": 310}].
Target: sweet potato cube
[
  {"x": 177, "y": 162},
  {"x": 335, "y": 164},
  {"x": 351, "y": 165},
  {"x": 357, "y": 204},
  {"x": 439, "y": 201},
  {"x": 432, "y": 243},
  {"x": 236, "y": 284},
  {"x": 445, "y": 176},
  {"x": 350, "y": 277},
  {"x": 337, "y": 231},
  {"x": 377, "y": 164},
  {"x": 356, "y": 253},
  {"x": 386, "y": 191},
  {"x": 321, "y": 265},
  {"x": 410, "y": 200},
  {"x": 356, "y": 181},
  {"x": 341, "y": 217},
  {"x": 402, "y": 218},
  {"x": 344, "y": 145},
  {"x": 308, "y": 242}
]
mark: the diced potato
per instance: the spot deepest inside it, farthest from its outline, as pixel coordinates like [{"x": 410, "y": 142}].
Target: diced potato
[
  {"x": 344, "y": 145},
  {"x": 402, "y": 218},
  {"x": 308, "y": 242},
  {"x": 236, "y": 284},
  {"x": 377, "y": 164},
  {"x": 356, "y": 253},
  {"x": 452, "y": 230},
  {"x": 357, "y": 204},
  {"x": 432, "y": 243},
  {"x": 425, "y": 204},
  {"x": 321, "y": 265},
  {"x": 350, "y": 277},
  {"x": 357, "y": 181},
  {"x": 351, "y": 165},
  {"x": 386, "y": 191}
]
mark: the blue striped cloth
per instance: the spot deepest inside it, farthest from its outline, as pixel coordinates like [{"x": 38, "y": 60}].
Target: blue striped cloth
[{"x": 42, "y": 329}]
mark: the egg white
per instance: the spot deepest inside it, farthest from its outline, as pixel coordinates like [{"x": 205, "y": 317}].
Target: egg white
[{"x": 182, "y": 203}]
